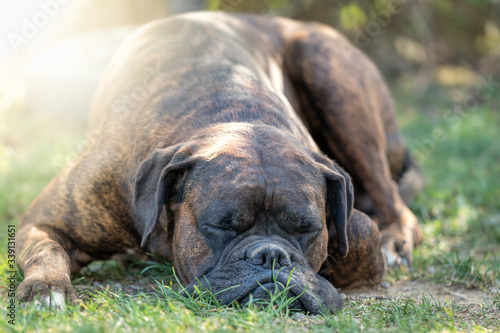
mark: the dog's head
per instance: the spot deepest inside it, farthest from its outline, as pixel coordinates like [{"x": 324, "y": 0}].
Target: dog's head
[{"x": 241, "y": 200}]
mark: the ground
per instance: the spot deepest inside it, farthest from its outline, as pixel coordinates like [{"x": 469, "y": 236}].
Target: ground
[{"x": 454, "y": 285}]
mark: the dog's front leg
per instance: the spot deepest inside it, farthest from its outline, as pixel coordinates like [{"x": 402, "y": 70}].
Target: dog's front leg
[{"x": 46, "y": 266}]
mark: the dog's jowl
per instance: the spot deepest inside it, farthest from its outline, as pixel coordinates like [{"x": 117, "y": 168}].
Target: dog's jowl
[{"x": 258, "y": 143}]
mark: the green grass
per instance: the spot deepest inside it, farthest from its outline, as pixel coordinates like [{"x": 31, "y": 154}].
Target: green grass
[
  {"x": 459, "y": 210},
  {"x": 459, "y": 206}
]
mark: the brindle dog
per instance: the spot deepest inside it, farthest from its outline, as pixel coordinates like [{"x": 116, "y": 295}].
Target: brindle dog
[{"x": 222, "y": 162}]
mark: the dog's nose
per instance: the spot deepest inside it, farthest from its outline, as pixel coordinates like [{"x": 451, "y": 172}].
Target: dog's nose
[{"x": 265, "y": 254}]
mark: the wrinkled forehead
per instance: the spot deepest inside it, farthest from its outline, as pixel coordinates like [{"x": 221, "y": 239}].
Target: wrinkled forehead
[{"x": 257, "y": 179}]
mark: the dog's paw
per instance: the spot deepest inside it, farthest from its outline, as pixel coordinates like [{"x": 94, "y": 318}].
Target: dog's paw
[
  {"x": 47, "y": 294},
  {"x": 399, "y": 240}
]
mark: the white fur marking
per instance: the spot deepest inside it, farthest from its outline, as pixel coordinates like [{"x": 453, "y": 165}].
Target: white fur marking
[
  {"x": 58, "y": 300},
  {"x": 391, "y": 258}
]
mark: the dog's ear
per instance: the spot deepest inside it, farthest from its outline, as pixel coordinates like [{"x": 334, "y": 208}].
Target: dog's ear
[
  {"x": 155, "y": 181},
  {"x": 339, "y": 202}
]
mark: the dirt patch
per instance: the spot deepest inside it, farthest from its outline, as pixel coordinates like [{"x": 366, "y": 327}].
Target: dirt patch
[{"x": 419, "y": 288}]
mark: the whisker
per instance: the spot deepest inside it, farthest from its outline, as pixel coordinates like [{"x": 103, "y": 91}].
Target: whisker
[{"x": 323, "y": 270}]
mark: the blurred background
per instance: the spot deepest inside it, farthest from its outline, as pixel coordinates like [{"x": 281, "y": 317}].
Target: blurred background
[
  {"x": 64, "y": 45},
  {"x": 441, "y": 60},
  {"x": 59, "y": 46}
]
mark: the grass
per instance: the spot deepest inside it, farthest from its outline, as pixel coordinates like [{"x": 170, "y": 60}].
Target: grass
[
  {"x": 459, "y": 206},
  {"x": 459, "y": 211}
]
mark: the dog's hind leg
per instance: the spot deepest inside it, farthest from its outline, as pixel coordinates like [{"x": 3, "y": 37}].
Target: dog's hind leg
[{"x": 344, "y": 101}]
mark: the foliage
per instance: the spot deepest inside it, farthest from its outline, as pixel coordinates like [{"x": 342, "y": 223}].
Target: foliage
[{"x": 402, "y": 36}]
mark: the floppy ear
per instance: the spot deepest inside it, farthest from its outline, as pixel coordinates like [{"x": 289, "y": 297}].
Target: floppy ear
[
  {"x": 154, "y": 182},
  {"x": 339, "y": 202}
]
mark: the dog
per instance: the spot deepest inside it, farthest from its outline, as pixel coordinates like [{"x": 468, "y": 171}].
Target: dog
[{"x": 247, "y": 147}]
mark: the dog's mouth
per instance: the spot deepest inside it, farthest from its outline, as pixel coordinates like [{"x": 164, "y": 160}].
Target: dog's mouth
[
  {"x": 266, "y": 293},
  {"x": 313, "y": 297}
]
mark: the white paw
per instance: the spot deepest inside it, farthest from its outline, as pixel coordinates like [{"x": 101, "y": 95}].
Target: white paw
[
  {"x": 57, "y": 300},
  {"x": 392, "y": 259}
]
